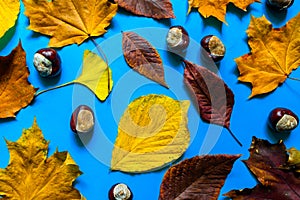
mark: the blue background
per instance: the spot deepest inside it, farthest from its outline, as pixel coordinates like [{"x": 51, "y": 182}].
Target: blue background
[{"x": 53, "y": 109}]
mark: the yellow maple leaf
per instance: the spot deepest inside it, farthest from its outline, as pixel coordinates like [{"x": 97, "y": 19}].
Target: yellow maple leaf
[
  {"x": 152, "y": 132},
  {"x": 9, "y": 11},
  {"x": 275, "y": 53},
  {"x": 31, "y": 175},
  {"x": 217, "y": 9},
  {"x": 68, "y": 22}
]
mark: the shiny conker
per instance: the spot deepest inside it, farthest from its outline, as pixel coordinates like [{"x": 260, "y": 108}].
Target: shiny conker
[
  {"x": 82, "y": 119},
  {"x": 177, "y": 38},
  {"x": 120, "y": 191},
  {"x": 214, "y": 47},
  {"x": 282, "y": 120},
  {"x": 279, "y": 5}
]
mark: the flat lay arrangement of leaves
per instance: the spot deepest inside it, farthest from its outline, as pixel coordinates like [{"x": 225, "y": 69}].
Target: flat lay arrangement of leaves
[{"x": 153, "y": 135}]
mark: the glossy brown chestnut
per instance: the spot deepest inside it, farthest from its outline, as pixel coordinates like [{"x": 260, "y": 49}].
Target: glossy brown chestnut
[
  {"x": 282, "y": 120},
  {"x": 82, "y": 119},
  {"x": 214, "y": 47},
  {"x": 279, "y": 5},
  {"x": 120, "y": 191},
  {"x": 178, "y": 38},
  {"x": 47, "y": 62}
]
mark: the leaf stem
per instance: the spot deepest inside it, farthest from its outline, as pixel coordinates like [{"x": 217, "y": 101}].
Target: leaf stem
[
  {"x": 53, "y": 88},
  {"x": 292, "y": 78},
  {"x": 235, "y": 138}
]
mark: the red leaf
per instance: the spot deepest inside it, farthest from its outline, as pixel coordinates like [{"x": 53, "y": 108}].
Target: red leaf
[
  {"x": 158, "y": 9},
  {"x": 200, "y": 177}
]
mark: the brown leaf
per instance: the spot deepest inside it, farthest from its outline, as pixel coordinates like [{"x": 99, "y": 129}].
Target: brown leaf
[
  {"x": 143, "y": 57},
  {"x": 158, "y": 9},
  {"x": 200, "y": 177},
  {"x": 267, "y": 162},
  {"x": 15, "y": 90}
]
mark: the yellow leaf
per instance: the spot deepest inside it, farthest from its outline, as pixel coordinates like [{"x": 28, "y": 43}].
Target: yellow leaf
[
  {"x": 95, "y": 75},
  {"x": 31, "y": 175},
  {"x": 152, "y": 132},
  {"x": 217, "y": 9},
  {"x": 9, "y": 11},
  {"x": 68, "y": 22},
  {"x": 294, "y": 159},
  {"x": 275, "y": 53}
]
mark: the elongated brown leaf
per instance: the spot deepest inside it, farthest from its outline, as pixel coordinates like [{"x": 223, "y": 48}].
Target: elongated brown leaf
[
  {"x": 143, "y": 57},
  {"x": 158, "y": 9},
  {"x": 200, "y": 177}
]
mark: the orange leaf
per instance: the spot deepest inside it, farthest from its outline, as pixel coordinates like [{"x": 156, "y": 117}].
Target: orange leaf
[
  {"x": 69, "y": 22},
  {"x": 275, "y": 53},
  {"x": 217, "y": 9},
  {"x": 15, "y": 90}
]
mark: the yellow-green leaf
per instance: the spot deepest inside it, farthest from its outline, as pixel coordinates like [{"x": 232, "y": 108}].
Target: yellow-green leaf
[
  {"x": 95, "y": 75},
  {"x": 152, "y": 133},
  {"x": 9, "y": 11},
  {"x": 31, "y": 175}
]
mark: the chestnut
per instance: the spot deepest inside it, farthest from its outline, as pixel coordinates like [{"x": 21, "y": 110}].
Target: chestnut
[
  {"x": 214, "y": 47},
  {"x": 282, "y": 120},
  {"x": 47, "y": 62},
  {"x": 279, "y": 5},
  {"x": 82, "y": 119},
  {"x": 120, "y": 191},
  {"x": 177, "y": 38}
]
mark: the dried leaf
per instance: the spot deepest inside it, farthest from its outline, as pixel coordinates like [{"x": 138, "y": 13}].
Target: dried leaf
[
  {"x": 69, "y": 22},
  {"x": 217, "y": 9},
  {"x": 9, "y": 11},
  {"x": 15, "y": 90},
  {"x": 152, "y": 132},
  {"x": 267, "y": 162},
  {"x": 31, "y": 175},
  {"x": 143, "y": 57},
  {"x": 200, "y": 177},
  {"x": 275, "y": 53},
  {"x": 158, "y": 9},
  {"x": 294, "y": 159}
]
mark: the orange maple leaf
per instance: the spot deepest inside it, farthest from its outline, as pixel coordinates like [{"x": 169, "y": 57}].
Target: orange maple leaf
[
  {"x": 15, "y": 90},
  {"x": 275, "y": 53},
  {"x": 69, "y": 22},
  {"x": 217, "y": 9}
]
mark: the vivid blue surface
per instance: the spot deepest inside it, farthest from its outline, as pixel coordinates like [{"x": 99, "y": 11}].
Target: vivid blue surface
[{"x": 93, "y": 154}]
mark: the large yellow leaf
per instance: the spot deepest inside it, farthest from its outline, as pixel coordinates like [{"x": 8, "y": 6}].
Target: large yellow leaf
[
  {"x": 69, "y": 22},
  {"x": 275, "y": 53},
  {"x": 9, "y": 11},
  {"x": 152, "y": 132},
  {"x": 217, "y": 9},
  {"x": 31, "y": 175}
]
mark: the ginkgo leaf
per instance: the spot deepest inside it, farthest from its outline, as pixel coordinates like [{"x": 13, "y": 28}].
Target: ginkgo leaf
[
  {"x": 9, "y": 11},
  {"x": 158, "y": 9},
  {"x": 31, "y": 175},
  {"x": 200, "y": 177},
  {"x": 152, "y": 132},
  {"x": 275, "y": 53},
  {"x": 217, "y": 9},
  {"x": 143, "y": 57},
  {"x": 69, "y": 22},
  {"x": 15, "y": 90}
]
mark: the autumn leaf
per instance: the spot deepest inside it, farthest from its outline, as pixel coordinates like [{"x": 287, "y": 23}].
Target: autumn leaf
[
  {"x": 143, "y": 57},
  {"x": 275, "y": 53},
  {"x": 152, "y": 132},
  {"x": 268, "y": 164},
  {"x": 15, "y": 90},
  {"x": 9, "y": 11},
  {"x": 214, "y": 97},
  {"x": 294, "y": 159},
  {"x": 31, "y": 175},
  {"x": 217, "y": 9},
  {"x": 200, "y": 177},
  {"x": 69, "y": 22},
  {"x": 158, "y": 9}
]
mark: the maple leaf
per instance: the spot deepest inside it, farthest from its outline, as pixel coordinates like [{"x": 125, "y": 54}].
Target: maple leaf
[
  {"x": 268, "y": 163},
  {"x": 217, "y": 9},
  {"x": 15, "y": 90},
  {"x": 31, "y": 175},
  {"x": 143, "y": 57},
  {"x": 275, "y": 53},
  {"x": 158, "y": 9},
  {"x": 69, "y": 22},
  {"x": 9, "y": 11},
  {"x": 200, "y": 177},
  {"x": 152, "y": 132}
]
